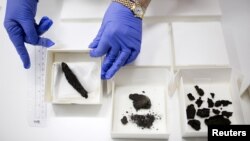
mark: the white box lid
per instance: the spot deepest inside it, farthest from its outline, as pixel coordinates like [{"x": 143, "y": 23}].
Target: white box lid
[
  {"x": 58, "y": 55},
  {"x": 95, "y": 9},
  {"x": 156, "y": 46},
  {"x": 77, "y": 35},
  {"x": 199, "y": 44},
  {"x": 245, "y": 86}
]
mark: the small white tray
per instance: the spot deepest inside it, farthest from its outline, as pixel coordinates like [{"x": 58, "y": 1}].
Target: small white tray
[
  {"x": 54, "y": 59},
  {"x": 211, "y": 80},
  {"x": 154, "y": 82},
  {"x": 157, "y": 8}
]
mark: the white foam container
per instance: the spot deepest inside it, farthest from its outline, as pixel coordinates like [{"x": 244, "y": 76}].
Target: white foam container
[
  {"x": 151, "y": 72},
  {"x": 69, "y": 56},
  {"x": 201, "y": 59},
  {"x": 245, "y": 97},
  {"x": 95, "y": 9},
  {"x": 154, "y": 81},
  {"x": 211, "y": 80}
]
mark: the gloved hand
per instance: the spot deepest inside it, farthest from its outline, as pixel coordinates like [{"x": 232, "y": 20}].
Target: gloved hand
[
  {"x": 119, "y": 38},
  {"x": 22, "y": 28}
]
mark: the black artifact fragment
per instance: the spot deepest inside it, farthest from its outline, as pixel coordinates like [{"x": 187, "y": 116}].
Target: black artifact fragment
[
  {"x": 73, "y": 81},
  {"x": 217, "y": 120},
  {"x": 227, "y": 114},
  {"x": 210, "y": 103},
  {"x": 140, "y": 101},
  {"x": 190, "y": 97},
  {"x": 199, "y": 102},
  {"x": 203, "y": 112},
  {"x": 215, "y": 111},
  {"x": 195, "y": 124},
  {"x": 144, "y": 121},
  {"x": 222, "y": 103},
  {"x": 212, "y": 95},
  {"x": 124, "y": 120},
  {"x": 199, "y": 90},
  {"x": 190, "y": 111}
]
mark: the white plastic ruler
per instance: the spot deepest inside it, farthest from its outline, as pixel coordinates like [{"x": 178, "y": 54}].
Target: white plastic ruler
[{"x": 37, "y": 108}]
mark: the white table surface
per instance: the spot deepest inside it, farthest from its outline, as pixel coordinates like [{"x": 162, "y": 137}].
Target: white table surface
[{"x": 77, "y": 123}]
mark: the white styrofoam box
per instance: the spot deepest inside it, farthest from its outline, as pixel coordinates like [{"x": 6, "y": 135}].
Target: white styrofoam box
[
  {"x": 152, "y": 80},
  {"x": 84, "y": 9},
  {"x": 183, "y": 8},
  {"x": 156, "y": 45},
  {"x": 211, "y": 80},
  {"x": 1, "y": 4},
  {"x": 69, "y": 56},
  {"x": 245, "y": 98},
  {"x": 87, "y": 74},
  {"x": 245, "y": 86},
  {"x": 77, "y": 35},
  {"x": 199, "y": 44},
  {"x": 155, "y": 48},
  {"x": 95, "y": 9}
]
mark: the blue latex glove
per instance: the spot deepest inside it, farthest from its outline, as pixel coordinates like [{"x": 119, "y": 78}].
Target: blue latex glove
[
  {"x": 22, "y": 28},
  {"x": 119, "y": 38}
]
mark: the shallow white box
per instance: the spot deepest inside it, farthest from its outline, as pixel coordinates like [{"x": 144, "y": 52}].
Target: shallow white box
[
  {"x": 156, "y": 45},
  {"x": 55, "y": 56},
  {"x": 157, "y": 8},
  {"x": 211, "y": 80},
  {"x": 199, "y": 44},
  {"x": 245, "y": 98},
  {"x": 201, "y": 59},
  {"x": 154, "y": 81}
]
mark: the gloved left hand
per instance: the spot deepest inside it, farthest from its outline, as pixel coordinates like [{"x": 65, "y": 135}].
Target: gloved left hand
[
  {"x": 119, "y": 38},
  {"x": 22, "y": 28}
]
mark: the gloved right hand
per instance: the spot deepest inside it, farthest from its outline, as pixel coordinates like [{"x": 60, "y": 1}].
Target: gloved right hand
[
  {"x": 119, "y": 39},
  {"x": 21, "y": 27}
]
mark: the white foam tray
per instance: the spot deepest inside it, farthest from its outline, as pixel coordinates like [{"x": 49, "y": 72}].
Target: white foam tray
[
  {"x": 69, "y": 56},
  {"x": 95, "y": 9},
  {"x": 154, "y": 81},
  {"x": 199, "y": 44},
  {"x": 245, "y": 97},
  {"x": 201, "y": 59},
  {"x": 215, "y": 80},
  {"x": 156, "y": 44}
]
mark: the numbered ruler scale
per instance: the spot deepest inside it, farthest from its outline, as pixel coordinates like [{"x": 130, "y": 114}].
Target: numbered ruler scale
[{"x": 37, "y": 108}]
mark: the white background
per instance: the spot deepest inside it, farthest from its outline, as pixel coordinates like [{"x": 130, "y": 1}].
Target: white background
[{"x": 79, "y": 123}]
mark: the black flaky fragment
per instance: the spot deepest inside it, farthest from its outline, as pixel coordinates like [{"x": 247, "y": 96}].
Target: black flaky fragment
[
  {"x": 210, "y": 103},
  {"x": 124, "y": 120},
  {"x": 195, "y": 124},
  {"x": 224, "y": 103},
  {"x": 140, "y": 101},
  {"x": 215, "y": 111},
  {"x": 73, "y": 81},
  {"x": 203, "y": 112},
  {"x": 199, "y": 102},
  {"x": 144, "y": 121},
  {"x": 199, "y": 90},
  {"x": 190, "y": 111},
  {"x": 212, "y": 95},
  {"x": 227, "y": 114},
  {"x": 217, "y": 120},
  {"x": 190, "y": 97}
]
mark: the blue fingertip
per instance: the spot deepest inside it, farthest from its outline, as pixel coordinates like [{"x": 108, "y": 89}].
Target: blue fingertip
[
  {"x": 26, "y": 65},
  {"x": 50, "y": 43},
  {"x": 50, "y": 22},
  {"x": 92, "y": 53},
  {"x": 93, "y": 45},
  {"x": 103, "y": 75},
  {"x": 45, "y": 18},
  {"x": 108, "y": 76}
]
